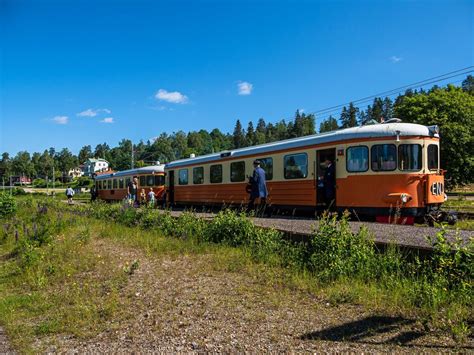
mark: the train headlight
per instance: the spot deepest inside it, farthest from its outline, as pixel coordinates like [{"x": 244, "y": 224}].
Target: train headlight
[{"x": 404, "y": 198}]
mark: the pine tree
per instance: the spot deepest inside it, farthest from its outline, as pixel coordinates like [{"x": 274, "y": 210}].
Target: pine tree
[
  {"x": 352, "y": 115},
  {"x": 468, "y": 84},
  {"x": 377, "y": 109},
  {"x": 238, "y": 136},
  {"x": 387, "y": 109},
  {"x": 250, "y": 136},
  {"x": 329, "y": 124},
  {"x": 344, "y": 118}
]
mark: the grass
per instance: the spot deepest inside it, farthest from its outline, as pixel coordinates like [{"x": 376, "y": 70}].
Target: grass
[{"x": 68, "y": 280}]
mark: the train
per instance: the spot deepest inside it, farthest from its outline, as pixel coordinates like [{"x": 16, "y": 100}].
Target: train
[
  {"x": 382, "y": 171},
  {"x": 112, "y": 186}
]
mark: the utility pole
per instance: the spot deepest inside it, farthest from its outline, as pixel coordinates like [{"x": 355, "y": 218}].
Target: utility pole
[
  {"x": 53, "y": 180},
  {"x": 132, "y": 157}
]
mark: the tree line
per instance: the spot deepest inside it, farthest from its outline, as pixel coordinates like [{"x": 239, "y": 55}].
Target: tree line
[{"x": 451, "y": 108}]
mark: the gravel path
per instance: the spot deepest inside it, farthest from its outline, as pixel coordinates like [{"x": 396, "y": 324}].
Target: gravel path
[
  {"x": 193, "y": 303},
  {"x": 4, "y": 345},
  {"x": 406, "y": 236}
]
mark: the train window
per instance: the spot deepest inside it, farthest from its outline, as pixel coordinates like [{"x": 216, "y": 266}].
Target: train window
[
  {"x": 409, "y": 157},
  {"x": 159, "y": 180},
  {"x": 121, "y": 186},
  {"x": 183, "y": 177},
  {"x": 267, "y": 166},
  {"x": 109, "y": 184},
  {"x": 357, "y": 159},
  {"x": 198, "y": 175},
  {"x": 115, "y": 185},
  {"x": 215, "y": 174},
  {"x": 383, "y": 157},
  {"x": 127, "y": 181},
  {"x": 433, "y": 160},
  {"x": 150, "y": 180},
  {"x": 142, "y": 182},
  {"x": 296, "y": 166},
  {"x": 237, "y": 171}
]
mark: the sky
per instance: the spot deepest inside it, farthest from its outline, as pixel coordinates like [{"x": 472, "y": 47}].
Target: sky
[{"x": 86, "y": 72}]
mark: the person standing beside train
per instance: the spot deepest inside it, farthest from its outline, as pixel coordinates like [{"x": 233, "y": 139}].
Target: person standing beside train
[
  {"x": 258, "y": 187},
  {"x": 329, "y": 183},
  {"x": 132, "y": 191}
]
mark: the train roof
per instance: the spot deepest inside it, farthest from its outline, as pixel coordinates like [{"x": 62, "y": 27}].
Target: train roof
[
  {"x": 370, "y": 131},
  {"x": 146, "y": 170}
]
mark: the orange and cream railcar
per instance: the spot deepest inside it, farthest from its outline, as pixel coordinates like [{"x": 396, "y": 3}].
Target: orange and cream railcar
[
  {"x": 381, "y": 170},
  {"x": 113, "y": 187}
]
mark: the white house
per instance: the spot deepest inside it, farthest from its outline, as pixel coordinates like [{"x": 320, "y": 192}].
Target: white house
[
  {"x": 76, "y": 172},
  {"x": 93, "y": 165}
]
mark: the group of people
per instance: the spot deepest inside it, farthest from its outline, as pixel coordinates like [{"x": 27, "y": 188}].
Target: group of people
[{"x": 134, "y": 198}]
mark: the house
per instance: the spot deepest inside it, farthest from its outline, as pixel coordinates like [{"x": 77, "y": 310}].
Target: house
[
  {"x": 76, "y": 172},
  {"x": 20, "y": 180},
  {"x": 92, "y": 166}
]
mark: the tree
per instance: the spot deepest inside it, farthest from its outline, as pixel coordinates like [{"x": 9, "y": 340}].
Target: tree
[
  {"x": 250, "y": 136},
  {"x": 102, "y": 151},
  {"x": 238, "y": 136},
  {"x": 5, "y": 167},
  {"x": 85, "y": 153},
  {"x": 387, "y": 109},
  {"x": 468, "y": 84},
  {"x": 46, "y": 163},
  {"x": 345, "y": 118},
  {"x": 452, "y": 109},
  {"x": 22, "y": 165},
  {"x": 329, "y": 124},
  {"x": 377, "y": 112},
  {"x": 65, "y": 161}
]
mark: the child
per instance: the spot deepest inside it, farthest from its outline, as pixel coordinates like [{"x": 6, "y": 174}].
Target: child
[
  {"x": 142, "y": 197},
  {"x": 151, "y": 197}
]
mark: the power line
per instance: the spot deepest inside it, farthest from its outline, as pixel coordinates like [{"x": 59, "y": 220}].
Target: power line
[
  {"x": 396, "y": 90},
  {"x": 392, "y": 94}
]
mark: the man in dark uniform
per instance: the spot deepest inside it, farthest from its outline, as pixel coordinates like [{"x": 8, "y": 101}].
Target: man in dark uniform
[
  {"x": 258, "y": 186},
  {"x": 329, "y": 183}
]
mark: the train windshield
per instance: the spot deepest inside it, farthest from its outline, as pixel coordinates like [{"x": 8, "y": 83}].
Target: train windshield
[
  {"x": 409, "y": 157},
  {"x": 433, "y": 158}
]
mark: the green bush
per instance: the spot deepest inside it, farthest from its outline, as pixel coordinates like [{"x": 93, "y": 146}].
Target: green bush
[
  {"x": 334, "y": 251},
  {"x": 7, "y": 205}
]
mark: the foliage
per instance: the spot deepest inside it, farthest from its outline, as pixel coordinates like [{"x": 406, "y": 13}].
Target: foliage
[
  {"x": 452, "y": 109},
  {"x": 7, "y": 205}
]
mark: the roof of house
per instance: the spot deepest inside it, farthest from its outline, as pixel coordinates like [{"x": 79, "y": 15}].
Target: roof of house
[
  {"x": 369, "y": 131},
  {"x": 96, "y": 160}
]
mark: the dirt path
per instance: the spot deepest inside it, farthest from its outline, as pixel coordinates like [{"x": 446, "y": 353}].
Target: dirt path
[
  {"x": 4, "y": 345},
  {"x": 194, "y": 303}
]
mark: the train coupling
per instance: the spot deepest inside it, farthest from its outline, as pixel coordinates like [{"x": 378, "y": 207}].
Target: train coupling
[{"x": 440, "y": 216}]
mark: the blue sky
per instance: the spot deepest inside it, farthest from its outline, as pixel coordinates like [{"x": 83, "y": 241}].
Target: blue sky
[{"x": 87, "y": 72}]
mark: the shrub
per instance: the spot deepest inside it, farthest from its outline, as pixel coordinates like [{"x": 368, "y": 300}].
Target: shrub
[
  {"x": 7, "y": 205},
  {"x": 334, "y": 251}
]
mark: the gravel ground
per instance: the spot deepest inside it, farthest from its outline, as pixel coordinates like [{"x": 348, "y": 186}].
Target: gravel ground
[
  {"x": 189, "y": 303},
  {"x": 406, "y": 236},
  {"x": 4, "y": 345}
]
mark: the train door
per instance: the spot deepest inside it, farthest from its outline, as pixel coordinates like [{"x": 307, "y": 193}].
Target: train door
[
  {"x": 171, "y": 187},
  {"x": 322, "y": 191}
]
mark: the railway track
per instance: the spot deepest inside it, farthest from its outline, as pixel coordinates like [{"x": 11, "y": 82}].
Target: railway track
[{"x": 409, "y": 237}]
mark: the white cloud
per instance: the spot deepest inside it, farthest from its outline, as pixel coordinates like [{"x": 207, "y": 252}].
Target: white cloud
[
  {"x": 244, "y": 88},
  {"x": 92, "y": 113},
  {"x": 174, "y": 97},
  {"x": 107, "y": 120},
  {"x": 395, "y": 59},
  {"x": 60, "y": 119}
]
